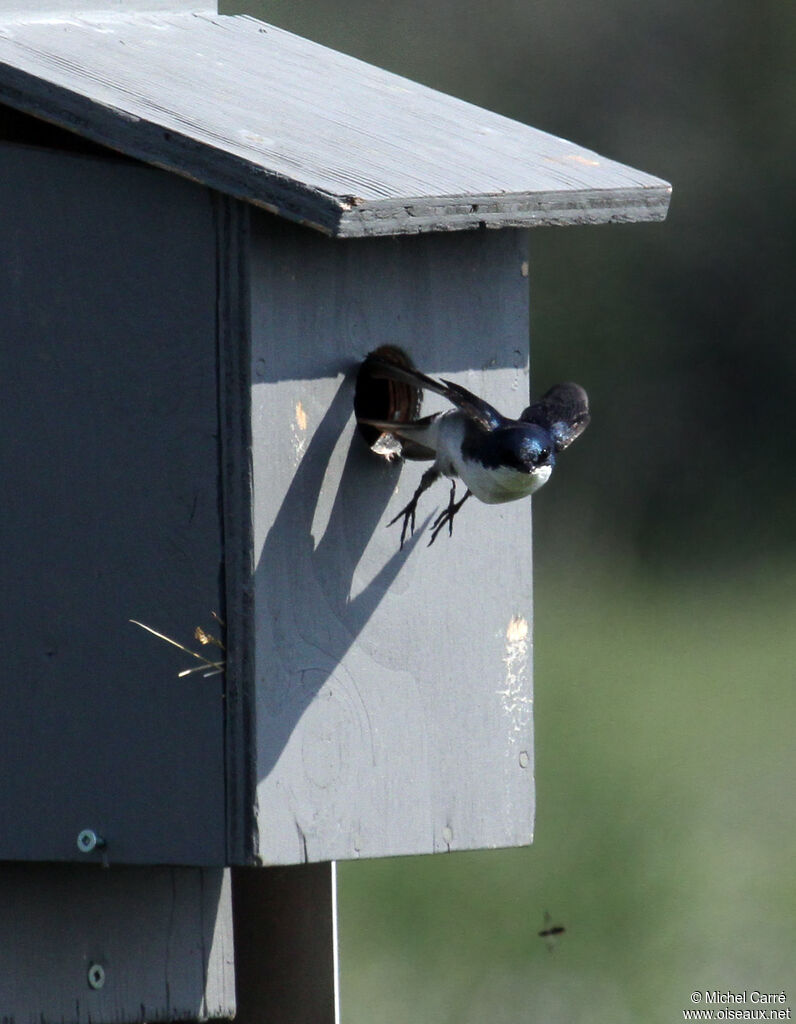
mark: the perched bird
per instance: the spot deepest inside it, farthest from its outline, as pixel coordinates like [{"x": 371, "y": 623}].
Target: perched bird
[{"x": 497, "y": 458}]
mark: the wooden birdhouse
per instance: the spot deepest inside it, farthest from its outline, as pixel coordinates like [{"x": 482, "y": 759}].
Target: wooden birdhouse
[{"x": 207, "y": 224}]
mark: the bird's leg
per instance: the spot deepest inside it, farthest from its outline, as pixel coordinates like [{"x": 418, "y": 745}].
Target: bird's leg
[
  {"x": 447, "y": 515},
  {"x": 408, "y": 511}
]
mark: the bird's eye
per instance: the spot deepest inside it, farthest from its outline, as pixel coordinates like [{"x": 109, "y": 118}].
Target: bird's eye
[{"x": 544, "y": 455}]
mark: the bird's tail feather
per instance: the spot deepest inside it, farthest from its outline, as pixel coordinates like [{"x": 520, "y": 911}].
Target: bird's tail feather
[{"x": 413, "y": 435}]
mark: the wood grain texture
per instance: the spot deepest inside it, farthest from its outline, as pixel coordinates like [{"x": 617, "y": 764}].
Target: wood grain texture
[
  {"x": 162, "y": 936},
  {"x": 393, "y": 687},
  {"x": 47, "y": 8},
  {"x": 234, "y": 351},
  {"x": 109, "y": 462},
  {"x": 304, "y": 131}
]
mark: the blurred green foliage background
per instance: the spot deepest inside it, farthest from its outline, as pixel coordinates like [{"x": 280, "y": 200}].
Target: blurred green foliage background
[{"x": 665, "y": 549}]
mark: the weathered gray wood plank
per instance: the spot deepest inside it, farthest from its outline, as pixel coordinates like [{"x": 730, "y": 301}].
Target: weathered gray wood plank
[
  {"x": 47, "y": 8},
  {"x": 109, "y": 462},
  {"x": 304, "y": 131},
  {"x": 162, "y": 938},
  {"x": 393, "y": 687},
  {"x": 234, "y": 347}
]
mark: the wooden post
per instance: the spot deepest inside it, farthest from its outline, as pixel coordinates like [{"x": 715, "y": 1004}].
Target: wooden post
[{"x": 286, "y": 944}]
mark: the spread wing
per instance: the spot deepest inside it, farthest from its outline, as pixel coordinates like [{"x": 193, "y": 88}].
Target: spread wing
[
  {"x": 563, "y": 411},
  {"x": 485, "y": 415}
]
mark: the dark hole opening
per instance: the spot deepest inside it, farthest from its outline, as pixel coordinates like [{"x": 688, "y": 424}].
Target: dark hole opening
[{"x": 388, "y": 400}]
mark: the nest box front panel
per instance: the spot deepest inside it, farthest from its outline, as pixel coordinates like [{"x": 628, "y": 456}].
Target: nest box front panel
[
  {"x": 393, "y": 687},
  {"x": 109, "y": 464}
]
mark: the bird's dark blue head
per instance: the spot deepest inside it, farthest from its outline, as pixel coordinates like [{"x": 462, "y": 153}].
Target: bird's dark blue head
[
  {"x": 525, "y": 447},
  {"x": 528, "y": 447}
]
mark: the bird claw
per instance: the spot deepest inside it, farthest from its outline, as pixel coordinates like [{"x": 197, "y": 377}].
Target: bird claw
[
  {"x": 408, "y": 511},
  {"x": 408, "y": 514},
  {"x": 446, "y": 516}
]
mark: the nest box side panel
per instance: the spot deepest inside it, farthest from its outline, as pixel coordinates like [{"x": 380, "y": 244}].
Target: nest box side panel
[
  {"x": 110, "y": 468},
  {"x": 393, "y": 688},
  {"x": 127, "y": 944}
]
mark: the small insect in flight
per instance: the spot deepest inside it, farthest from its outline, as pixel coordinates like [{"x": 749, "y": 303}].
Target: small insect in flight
[{"x": 551, "y": 931}]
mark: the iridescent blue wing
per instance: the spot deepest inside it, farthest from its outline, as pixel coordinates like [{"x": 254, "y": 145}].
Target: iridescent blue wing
[
  {"x": 481, "y": 412},
  {"x": 563, "y": 412}
]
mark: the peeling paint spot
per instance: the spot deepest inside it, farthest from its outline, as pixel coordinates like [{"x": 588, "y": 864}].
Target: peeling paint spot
[
  {"x": 515, "y": 694},
  {"x": 581, "y": 159},
  {"x": 299, "y": 431},
  {"x": 253, "y": 139},
  {"x": 517, "y": 632}
]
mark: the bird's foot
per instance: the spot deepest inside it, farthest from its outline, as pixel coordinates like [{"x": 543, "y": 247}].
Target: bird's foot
[
  {"x": 446, "y": 516},
  {"x": 408, "y": 512}
]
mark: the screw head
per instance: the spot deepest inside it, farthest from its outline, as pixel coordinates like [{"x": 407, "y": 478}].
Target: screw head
[
  {"x": 88, "y": 840},
  {"x": 96, "y": 976}
]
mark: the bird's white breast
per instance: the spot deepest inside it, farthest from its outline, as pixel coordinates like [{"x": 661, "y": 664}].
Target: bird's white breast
[
  {"x": 492, "y": 486},
  {"x": 495, "y": 486}
]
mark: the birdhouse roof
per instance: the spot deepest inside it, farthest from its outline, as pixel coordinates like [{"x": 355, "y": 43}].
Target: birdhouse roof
[{"x": 302, "y": 130}]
